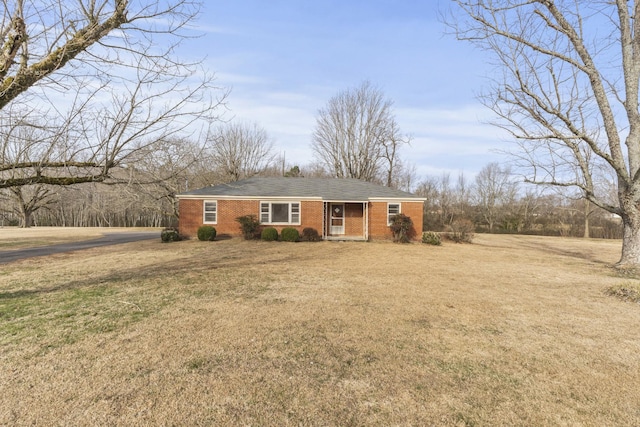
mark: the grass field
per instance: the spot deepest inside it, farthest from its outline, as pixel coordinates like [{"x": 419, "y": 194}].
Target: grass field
[{"x": 510, "y": 330}]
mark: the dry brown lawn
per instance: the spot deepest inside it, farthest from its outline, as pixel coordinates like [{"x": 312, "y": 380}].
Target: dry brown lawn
[{"x": 510, "y": 330}]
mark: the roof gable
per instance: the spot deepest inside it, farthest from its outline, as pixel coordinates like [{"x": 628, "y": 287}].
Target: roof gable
[{"x": 336, "y": 189}]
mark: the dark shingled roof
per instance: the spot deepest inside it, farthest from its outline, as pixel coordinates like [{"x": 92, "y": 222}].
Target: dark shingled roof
[{"x": 326, "y": 188}]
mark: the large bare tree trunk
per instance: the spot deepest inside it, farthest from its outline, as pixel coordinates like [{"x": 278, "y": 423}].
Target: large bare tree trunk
[
  {"x": 631, "y": 228},
  {"x": 587, "y": 213},
  {"x": 27, "y": 219},
  {"x": 630, "y": 242}
]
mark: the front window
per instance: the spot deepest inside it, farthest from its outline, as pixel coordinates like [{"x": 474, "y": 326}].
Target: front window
[
  {"x": 393, "y": 209},
  {"x": 280, "y": 213},
  {"x": 210, "y": 212}
]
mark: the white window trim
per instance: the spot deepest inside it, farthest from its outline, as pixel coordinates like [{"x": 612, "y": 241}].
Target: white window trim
[
  {"x": 204, "y": 211},
  {"x": 389, "y": 215},
  {"x": 279, "y": 202}
]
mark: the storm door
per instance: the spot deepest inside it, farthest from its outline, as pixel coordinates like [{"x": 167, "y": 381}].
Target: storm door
[{"x": 337, "y": 219}]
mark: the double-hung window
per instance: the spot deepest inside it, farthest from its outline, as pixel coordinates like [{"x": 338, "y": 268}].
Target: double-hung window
[
  {"x": 210, "y": 212},
  {"x": 393, "y": 209},
  {"x": 280, "y": 212}
]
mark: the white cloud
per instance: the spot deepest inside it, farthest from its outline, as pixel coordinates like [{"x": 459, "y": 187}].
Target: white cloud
[
  {"x": 451, "y": 140},
  {"x": 231, "y": 79}
]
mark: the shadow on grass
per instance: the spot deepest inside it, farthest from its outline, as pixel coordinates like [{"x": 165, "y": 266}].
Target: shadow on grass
[
  {"x": 179, "y": 271},
  {"x": 587, "y": 254},
  {"x": 17, "y": 294}
]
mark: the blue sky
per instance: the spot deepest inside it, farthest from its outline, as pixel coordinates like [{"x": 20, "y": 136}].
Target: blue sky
[{"x": 284, "y": 59}]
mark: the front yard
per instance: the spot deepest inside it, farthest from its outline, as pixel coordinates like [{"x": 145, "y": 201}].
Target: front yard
[{"x": 510, "y": 330}]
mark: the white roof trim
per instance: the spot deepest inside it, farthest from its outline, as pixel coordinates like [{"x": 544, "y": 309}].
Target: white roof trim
[
  {"x": 398, "y": 199},
  {"x": 219, "y": 197},
  {"x": 345, "y": 201},
  {"x": 292, "y": 198}
]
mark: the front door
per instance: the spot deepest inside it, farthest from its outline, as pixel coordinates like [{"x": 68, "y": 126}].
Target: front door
[{"x": 336, "y": 219}]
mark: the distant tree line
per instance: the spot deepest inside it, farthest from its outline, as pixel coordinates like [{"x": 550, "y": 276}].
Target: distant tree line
[
  {"x": 495, "y": 202},
  {"x": 356, "y": 136},
  {"x": 142, "y": 193}
]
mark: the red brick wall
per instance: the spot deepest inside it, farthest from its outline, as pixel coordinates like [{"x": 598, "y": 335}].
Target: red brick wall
[
  {"x": 190, "y": 212},
  {"x": 311, "y": 212},
  {"x": 414, "y": 210},
  {"x": 353, "y": 219},
  {"x": 311, "y": 215},
  {"x": 229, "y": 210},
  {"x": 378, "y": 228},
  {"x": 191, "y": 216}
]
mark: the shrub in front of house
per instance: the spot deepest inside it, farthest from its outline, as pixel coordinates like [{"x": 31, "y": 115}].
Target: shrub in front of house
[
  {"x": 269, "y": 234},
  {"x": 170, "y": 234},
  {"x": 249, "y": 226},
  {"x": 290, "y": 234},
  {"x": 460, "y": 231},
  {"x": 206, "y": 233},
  {"x": 431, "y": 238},
  {"x": 401, "y": 228},
  {"x": 310, "y": 234}
]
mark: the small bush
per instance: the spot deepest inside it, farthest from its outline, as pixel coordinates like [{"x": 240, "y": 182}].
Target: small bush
[
  {"x": 249, "y": 226},
  {"x": 170, "y": 234},
  {"x": 290, "y": 234},
  {"x": 461, "y": 231},
  {"x": 401, "y": 228},
  {"x": 206, "y": 233},
  {"x": 269, "y": 234},
  {"x": 310, "y": 235},
  {"x": 431, "y": 238}
]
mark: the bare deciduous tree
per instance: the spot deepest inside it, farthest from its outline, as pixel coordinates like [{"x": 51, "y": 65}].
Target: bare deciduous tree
[
  {"x": 95, "y": 137},
  {"x": 163, "y": 169},
  {"x": 39, "y": 39},
  {"x": 398, "y": 174},
  {"x": 27, "y": 200},
  {"x": 439, "y": 206},
  {"x": 99, "y": 80},
  {"x": 404, "y": 176},
  {"x": 316, "y": 169},
  {"x": 240, "y": 150},
  {"x": 494, "y": 191},
  {"x": 356, "y": 135},
  {"x": 428, "y": 188},
  {"x": 569, "y": 93}
]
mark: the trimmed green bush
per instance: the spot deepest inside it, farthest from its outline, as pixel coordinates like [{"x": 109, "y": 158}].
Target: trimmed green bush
[
  {"x": 290, "y": 234},
  {"x": 206, "y": 233},
  {"x": 170, "y": 234},
  {"x": 249, "y": 226},
  {"x": 310, "y": 235},
  {"x": 269, "y": 234},
  {"x": 431, "y": 238}
]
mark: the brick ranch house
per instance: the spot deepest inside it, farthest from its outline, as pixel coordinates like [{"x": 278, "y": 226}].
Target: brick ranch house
[{"x": 339, "y": 209}]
